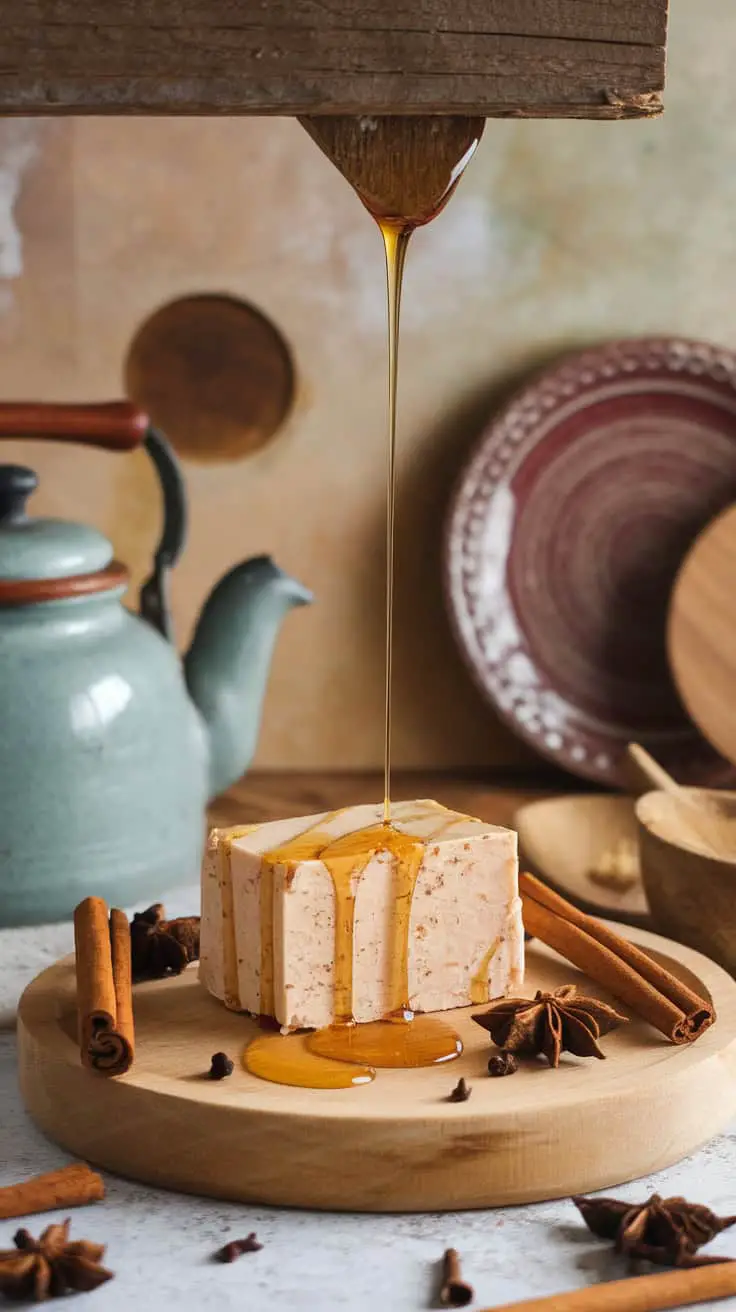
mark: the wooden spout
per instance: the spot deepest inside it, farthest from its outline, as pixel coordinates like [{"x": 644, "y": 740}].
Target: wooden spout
[{"x": 404, "y": 169}]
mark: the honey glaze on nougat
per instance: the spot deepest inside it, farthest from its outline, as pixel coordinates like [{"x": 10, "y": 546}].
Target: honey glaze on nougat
[{"x": 400, "y": 1040}]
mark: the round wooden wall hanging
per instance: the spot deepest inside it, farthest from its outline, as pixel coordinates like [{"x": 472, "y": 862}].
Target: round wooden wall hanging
[{"x": 214, "y": 373}]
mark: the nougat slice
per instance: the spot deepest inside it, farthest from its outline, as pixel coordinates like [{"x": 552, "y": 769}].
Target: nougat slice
[{"x": 268, "y": 939}]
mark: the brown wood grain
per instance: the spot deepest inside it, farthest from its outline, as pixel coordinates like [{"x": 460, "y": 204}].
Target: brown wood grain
[
  {"x": 263, "y": 796},
  {"x": 701, "y": 633},
  {"x": 111, "y": 425},
  {"x": 566, "y": 58},
  {"x": 405, "y": 168},
  {"x": 214, "y": 373}
]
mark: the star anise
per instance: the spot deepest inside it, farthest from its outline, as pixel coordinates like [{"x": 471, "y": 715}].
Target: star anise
[
  {"x": 550, "y": 1023},
  {"x": 161, "y": 947},
  {"x": 667, "y": 1231},
  {"x": 48, "y": 1267}
]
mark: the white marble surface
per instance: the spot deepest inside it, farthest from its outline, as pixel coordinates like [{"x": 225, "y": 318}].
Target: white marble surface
[{"x": 160, "y": 1244}]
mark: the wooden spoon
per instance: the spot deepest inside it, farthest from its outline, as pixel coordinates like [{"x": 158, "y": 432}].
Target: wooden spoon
[
  {"x": 403, "y": 168},
  {"x": 700, "y": 824}
]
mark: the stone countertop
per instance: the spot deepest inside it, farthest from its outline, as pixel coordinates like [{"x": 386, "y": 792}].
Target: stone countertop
[{"x": 160, "y": 1244}]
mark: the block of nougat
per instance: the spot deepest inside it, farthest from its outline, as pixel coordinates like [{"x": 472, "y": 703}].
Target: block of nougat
[{"x": 337, "y": 916}]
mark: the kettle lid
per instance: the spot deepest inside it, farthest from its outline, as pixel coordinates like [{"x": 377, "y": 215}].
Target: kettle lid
[{"x": 39, "y": 551}]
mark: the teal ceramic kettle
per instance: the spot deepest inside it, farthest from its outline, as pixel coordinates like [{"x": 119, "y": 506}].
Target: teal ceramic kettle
[{"x": 109, "y": 747}]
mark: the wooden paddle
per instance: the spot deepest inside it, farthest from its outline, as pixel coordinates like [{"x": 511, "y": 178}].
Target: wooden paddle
[{"x": 701, "y": 633}]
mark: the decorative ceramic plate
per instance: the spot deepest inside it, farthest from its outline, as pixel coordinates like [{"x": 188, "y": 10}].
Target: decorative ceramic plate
[{"x": 564, "y": 538}]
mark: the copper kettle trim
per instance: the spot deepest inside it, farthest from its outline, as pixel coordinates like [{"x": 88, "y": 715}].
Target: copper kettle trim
[{"x": 26, "y": 592}]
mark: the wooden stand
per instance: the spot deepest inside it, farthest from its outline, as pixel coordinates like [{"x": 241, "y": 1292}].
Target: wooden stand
[
  {"x": 394, "y": 1145},
  {"x": 529, "y": 58}
]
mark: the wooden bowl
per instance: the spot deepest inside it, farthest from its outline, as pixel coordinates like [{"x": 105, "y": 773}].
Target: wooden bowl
[
  {"x": 692, "y": 896},
  {"x": 562, "y": 839}
]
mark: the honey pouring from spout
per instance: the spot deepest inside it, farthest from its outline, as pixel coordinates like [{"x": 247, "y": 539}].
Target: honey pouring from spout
[{"x": 404, "y": 170}]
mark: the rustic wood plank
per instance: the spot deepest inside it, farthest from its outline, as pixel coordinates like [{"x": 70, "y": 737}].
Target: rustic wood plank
[
  {"x": 568, "y": 58},
  {"x": 633, "y": 22},
  {"x": 494, "y": 797}
]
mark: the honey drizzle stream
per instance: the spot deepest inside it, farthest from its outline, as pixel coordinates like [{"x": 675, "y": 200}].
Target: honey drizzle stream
[
  {"x": 395, "y": 243},
  {"x": 298, "y": 848},
  {"x": 225, "y": 840},
  {"x": 404, "y": 171},
  {"x": 479, "y": 981},
  {"x": 345, "y": 859},
  {"x": 354, "y": 1049},
  {"x": 266, "y": 980},
  {"x": 400, "y": 1039}
]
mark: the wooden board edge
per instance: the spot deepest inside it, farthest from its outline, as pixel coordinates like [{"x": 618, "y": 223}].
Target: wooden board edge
[
  {"x": 613, "y": 107},
  {"x": 557, "y": 59},
  {"x": 466, "y": 1169},
  {"x": 463, "y": 1157}
]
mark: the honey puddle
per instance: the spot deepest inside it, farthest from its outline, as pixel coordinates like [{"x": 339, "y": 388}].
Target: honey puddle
[
  {"x": 345, "y": 1053},
  {"x": 286, "y": 1059},
  {"x": 404, "y": 170},
  {"x": 402, "y": 1041}
]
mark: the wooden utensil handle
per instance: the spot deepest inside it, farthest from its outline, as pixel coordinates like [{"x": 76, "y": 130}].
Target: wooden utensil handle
[
  {"x": 648, "y": 773},
  {"x": 112, "y": 425}
]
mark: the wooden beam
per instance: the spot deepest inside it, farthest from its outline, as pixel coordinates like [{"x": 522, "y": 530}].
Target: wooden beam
[{"x": 499, "y": 58}]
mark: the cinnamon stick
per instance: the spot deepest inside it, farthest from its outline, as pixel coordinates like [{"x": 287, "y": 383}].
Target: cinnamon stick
[
  {"x": 72, "y": 1186},
  {"x": 122, "y": 972},
  {"x": 104, "y": 988},
  {"x": 628, "y": 973},
  {"x": 639, "y": 1293}
]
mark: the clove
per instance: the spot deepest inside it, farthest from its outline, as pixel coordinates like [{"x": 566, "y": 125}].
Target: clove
[
  {"x": 221, "y": 1066},
  {"x": 503, "y": 1063},
  {"x": 454, "y": 1291},
  {"x": 236, "y": 1247}
]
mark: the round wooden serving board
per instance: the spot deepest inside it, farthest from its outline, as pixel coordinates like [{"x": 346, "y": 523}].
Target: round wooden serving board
[{"x": 393, "y": 1145}]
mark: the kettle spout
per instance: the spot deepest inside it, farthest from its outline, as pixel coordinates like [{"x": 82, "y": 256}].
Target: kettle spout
[{"x": 226, "y": 667}]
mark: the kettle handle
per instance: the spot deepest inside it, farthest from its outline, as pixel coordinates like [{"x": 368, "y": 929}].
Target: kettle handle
[
  {"x": 112, "y": 425},
  {"x": 153, "y": 604},
  {"x": 116, "y": 426}
]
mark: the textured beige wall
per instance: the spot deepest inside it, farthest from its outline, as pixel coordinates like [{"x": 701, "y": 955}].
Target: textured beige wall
[{"x": 561, "y": 234}]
